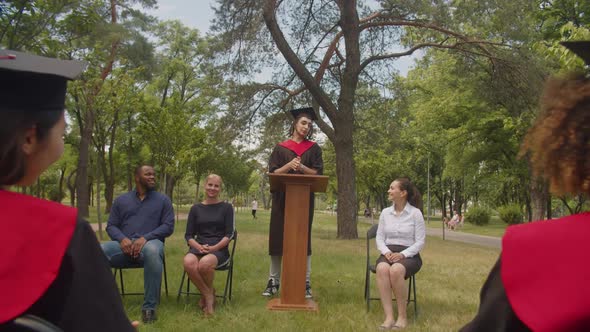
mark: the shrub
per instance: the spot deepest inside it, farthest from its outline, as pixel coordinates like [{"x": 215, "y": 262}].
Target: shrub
[
  {"x": 510, "y": 214},
  {"x": 478, "y": 215}
]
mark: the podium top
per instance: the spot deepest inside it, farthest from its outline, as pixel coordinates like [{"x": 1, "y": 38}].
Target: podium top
[{"x": 278, "y": 182}]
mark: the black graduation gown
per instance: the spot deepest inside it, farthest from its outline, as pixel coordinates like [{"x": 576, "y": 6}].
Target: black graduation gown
[
  {"x": 280, "y": 156},
  {"x": 78, "y": 292},
  {"x": 495, "y": 312},
  {"x": 541, "y": 281}
]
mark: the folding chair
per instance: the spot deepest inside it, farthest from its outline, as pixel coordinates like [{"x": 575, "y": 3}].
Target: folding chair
[
  {"x": 139, "y": 266},
  {"x": 29, "y": 323},
  {"x": 227, "y": 267},
  {"x": 371, "y": 268}
]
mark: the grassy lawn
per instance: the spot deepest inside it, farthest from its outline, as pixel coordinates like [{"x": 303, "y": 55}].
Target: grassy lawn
[{"x": 447, "y": 286}]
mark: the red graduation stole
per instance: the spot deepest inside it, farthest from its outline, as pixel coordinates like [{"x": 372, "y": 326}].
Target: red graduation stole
[
  {"x": 546, "y": 273},
  {"x": 298, "y": 148},
  {"x": 36, "y": 234}
]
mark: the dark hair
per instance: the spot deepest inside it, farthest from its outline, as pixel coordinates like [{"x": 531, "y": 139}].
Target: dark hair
[
  {"x": 13, "y": 127},
  {"x": 292, "y": 128},
  {"x": 138, "y": 169},
  {"x": 414, "y": 196},
  {"x": 559, "y": 140}
]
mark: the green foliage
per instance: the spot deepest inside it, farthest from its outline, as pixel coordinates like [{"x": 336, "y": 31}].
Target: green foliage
[
  {"x": 478, "y": 215},
  {"x": 511, "y": 214}
]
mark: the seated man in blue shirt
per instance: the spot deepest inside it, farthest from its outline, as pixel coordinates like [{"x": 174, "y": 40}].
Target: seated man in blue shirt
[{"x": 139, "y": 222}]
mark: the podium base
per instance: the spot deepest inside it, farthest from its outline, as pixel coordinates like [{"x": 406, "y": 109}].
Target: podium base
[{"x": 309, "y": 305}]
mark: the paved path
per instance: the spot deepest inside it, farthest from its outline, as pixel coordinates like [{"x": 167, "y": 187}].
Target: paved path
[{"x": 483, "y": 240}]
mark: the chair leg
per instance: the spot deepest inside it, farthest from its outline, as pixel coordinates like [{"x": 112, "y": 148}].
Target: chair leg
[
  {"x": 165, "y": 276},
  {"x": 415, "y": 298},
  {"x": 180, "y": 288},
  {"x": 227, "y": 285},
  {"x": 368, "y": 290},
  {"x": 121, "y": 281},
  {"x": 231, "y": 280},
  {"x": 366, "y": 276}
]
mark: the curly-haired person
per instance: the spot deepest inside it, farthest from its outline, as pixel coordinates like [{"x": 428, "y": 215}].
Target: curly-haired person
[{"x": 540, "y": 281}]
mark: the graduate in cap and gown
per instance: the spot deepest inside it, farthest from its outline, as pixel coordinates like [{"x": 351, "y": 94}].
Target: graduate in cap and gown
[
  {"x": 51, "y": 264},
  {"x": 297, "y": 155},
  {"x": 540, "y": 281}
]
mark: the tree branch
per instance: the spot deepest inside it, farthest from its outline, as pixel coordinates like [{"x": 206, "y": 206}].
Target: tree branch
[{"x": 298, "y": 67}]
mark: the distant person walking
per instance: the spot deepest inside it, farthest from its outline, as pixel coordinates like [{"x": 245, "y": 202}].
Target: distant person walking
[{"x": 254, "y": 208}]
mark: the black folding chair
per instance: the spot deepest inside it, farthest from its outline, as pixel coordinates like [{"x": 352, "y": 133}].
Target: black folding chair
[
  {"x": 227, "y": 292},
  {"x": 119, "y": 271},
  {"x": 29, "y": 323},
  {"x": 371, "y": 268}
]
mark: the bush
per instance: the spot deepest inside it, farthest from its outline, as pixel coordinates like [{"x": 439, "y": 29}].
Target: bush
[
  {"x": 478, "y": 215},
  {"x": 510, "y": 214}
]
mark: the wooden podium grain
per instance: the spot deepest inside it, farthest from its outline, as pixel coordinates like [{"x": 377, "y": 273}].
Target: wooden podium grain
[{"x": 297, "y": 188}]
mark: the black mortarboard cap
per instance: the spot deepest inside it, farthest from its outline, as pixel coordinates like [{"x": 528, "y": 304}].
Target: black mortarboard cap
[
  {"x": 34, "y": 83},
  {"x": 305, "y": 110},
  {"x": 580, "y": 48}
]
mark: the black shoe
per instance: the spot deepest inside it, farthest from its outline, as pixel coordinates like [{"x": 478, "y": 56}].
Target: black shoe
[
  {"x": 308, "y": 294},
  {"x": 272, "y": 288},
  {"x": 148, "y": 315}
]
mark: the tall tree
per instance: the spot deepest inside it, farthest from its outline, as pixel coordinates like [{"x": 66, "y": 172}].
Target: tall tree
[{"x": 330, "y": 47}]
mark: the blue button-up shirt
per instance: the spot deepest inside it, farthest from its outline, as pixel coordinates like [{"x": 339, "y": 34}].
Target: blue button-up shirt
[{"x": 152, "y": 218}]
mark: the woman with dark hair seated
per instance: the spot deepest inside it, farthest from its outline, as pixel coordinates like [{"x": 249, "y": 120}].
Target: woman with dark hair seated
[
  {"x": 540, "y": 281},
  {"x": 400, "y": 237},
  {"x": 51, "y": 266}
]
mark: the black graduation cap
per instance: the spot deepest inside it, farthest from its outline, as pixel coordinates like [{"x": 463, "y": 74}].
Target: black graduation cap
[
  {"x": 34, "y": 83},
  {"x": 580, "y": 48},
  {"x": 305, "y": 110}
]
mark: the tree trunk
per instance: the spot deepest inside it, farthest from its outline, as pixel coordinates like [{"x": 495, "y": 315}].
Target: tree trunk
[
  {"x": 539, "y": 194},
  {"x": 529, "y": 208},
  {"x": 549, "y": 212},
  {"x": 130, "y": 166},
  {"x": 109, "y": 182},
  {"x": 82, "y": 175},
  {"x": 346, "y": 210},
  {"x": 82, "y": 169},
  {"x": 72, "y": 188},
  {"x": 170, "y": 182},
  {"x": 62, "y": 176}
]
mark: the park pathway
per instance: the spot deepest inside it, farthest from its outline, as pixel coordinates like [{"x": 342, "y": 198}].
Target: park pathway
[
  {"x": 458, "y": 236},
  {"x": 482, "y": 240}
]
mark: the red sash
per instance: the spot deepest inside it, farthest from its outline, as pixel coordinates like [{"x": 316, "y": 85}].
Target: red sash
[
  {"x": 298, "y": 148},
  {"x": 36, "y": 234},
  {"x": 546, "y": 273}
]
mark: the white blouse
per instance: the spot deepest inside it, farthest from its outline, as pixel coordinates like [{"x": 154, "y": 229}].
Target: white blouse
[{"x": 406, "y": 228}]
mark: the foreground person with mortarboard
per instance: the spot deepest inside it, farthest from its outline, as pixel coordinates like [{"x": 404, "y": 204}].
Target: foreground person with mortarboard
[
  {"x": 540, "y": 282},
  {"x": 51, "y": 266}
]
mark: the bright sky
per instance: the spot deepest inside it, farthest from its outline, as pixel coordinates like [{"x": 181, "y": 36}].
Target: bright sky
[
  {"x": 193, "y": 13},
  {"x": 198, "y": 14}
]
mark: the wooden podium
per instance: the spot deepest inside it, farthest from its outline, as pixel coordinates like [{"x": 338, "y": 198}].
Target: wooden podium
[{"x": 297, "y": 188}]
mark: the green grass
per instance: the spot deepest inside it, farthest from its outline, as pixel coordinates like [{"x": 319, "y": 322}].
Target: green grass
[{"x": 447, "y": 286}]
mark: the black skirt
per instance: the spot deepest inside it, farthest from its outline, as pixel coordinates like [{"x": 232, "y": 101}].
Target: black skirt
[{"x": 412, "y": 264}]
